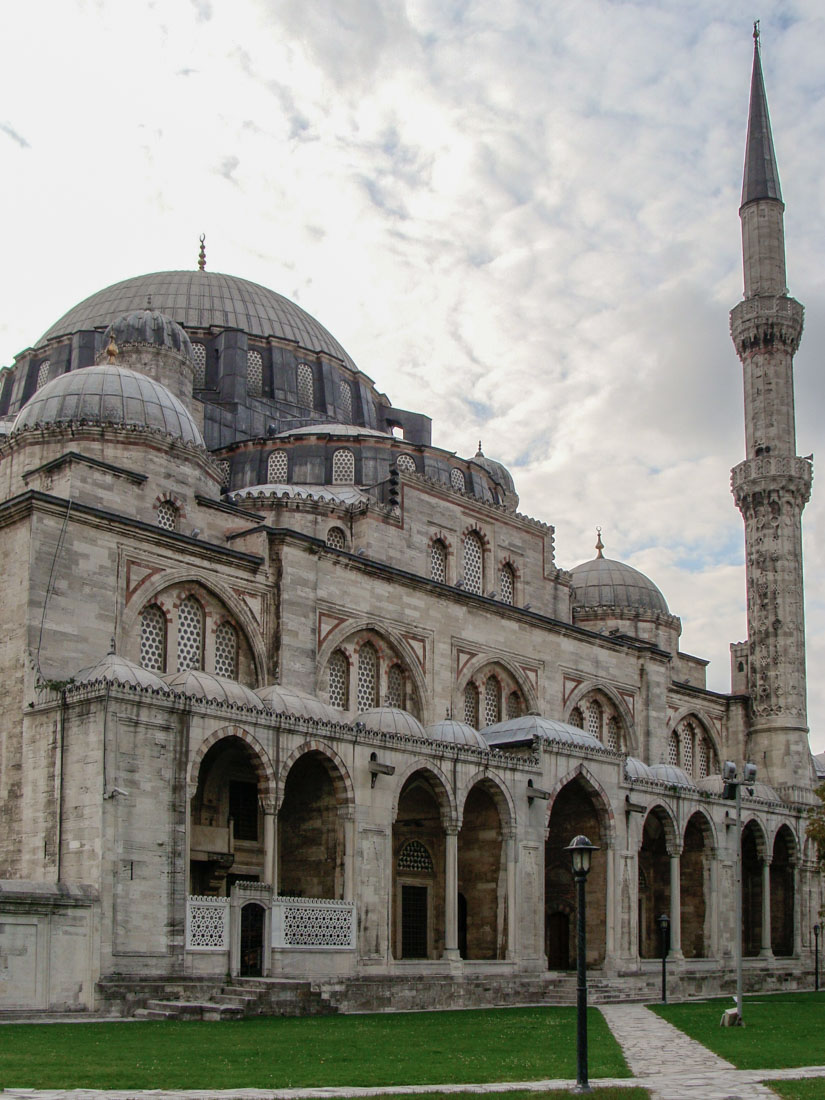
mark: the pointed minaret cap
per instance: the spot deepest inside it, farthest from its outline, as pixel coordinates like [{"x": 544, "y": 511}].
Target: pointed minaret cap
[
  {"x": 761, "y": 177},
  {"x": 599, "y": 543}
]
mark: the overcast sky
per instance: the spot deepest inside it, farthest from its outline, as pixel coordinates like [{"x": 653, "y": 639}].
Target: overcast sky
[{"x": 519, "y": 217}]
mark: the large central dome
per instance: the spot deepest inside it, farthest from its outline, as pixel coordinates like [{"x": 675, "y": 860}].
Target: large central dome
[{"x": 202, "y": 299}]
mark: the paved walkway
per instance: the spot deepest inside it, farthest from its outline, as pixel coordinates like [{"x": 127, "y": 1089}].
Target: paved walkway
[{"x": 661, "y": 1059}]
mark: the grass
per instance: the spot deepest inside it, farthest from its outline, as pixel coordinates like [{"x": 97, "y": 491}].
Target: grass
[
  {"x": 614, "y": 1092},
  {"x": 810, "y": 1088},
  {"x": 781, "y": 1030},
  {"x": 515, "y": 1044}
]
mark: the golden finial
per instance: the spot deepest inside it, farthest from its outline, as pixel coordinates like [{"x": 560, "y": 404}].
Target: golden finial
[
  {"x": 202, "y": 253},
  {"x": 112, "y": 350},
  {"x": 599, "y": 543}
]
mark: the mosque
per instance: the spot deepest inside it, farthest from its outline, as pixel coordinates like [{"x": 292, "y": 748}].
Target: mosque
[{"x": 300, "y": 713}]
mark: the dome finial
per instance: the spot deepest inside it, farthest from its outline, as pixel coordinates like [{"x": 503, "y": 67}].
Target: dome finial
[
  {"x": 756, "y": 33},
  {"x": 202, "y": 253},
  {"x": 479, "y": 453},
  {"x": 112, "y": 350},
  {"x": 599, "y": 543}
]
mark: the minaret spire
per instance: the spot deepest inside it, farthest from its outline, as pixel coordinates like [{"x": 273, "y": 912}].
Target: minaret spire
[{"x": 772, "y": 485}]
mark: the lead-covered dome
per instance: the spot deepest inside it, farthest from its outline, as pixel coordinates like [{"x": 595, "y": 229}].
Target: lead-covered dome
[
  {"x": 456, "y": 733},
  {"x": 149, "y": 327},
  {"x": 603, "y": 582},
  {"x": 108, "y": 394},
  {"x": 202, "y": 299}
]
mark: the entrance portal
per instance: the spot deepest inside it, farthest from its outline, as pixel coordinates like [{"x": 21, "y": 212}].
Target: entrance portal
[
  {"x": 414, "y": 922},
  {"x": 252, "y": 940}
]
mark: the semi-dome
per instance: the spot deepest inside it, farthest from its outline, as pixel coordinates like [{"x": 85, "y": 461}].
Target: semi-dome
[
  {"x": 391, "y": 720},
  {"x": 114, "y": 669},
  {"x": 287, "y": 700},
  {"x": 215, "y": 689},
  {"x": 149, "y": 326},
  {"x": 522, "y": 730},
  {"x": 456, "y": 733},
  {"x": 602, "y": 582},
  {"x": 108, "y": 394},
  {"x": 202, "y": 299}
]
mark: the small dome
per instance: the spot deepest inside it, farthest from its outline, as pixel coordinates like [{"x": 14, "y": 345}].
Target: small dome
[
  {"x": 602, "y": 582},
  {"x": 108, "y": 394},
  {"x": 149, "y": 326},
  {"x": 456, "y": 733},
  {"x": 114, "y": 669},
  {"x": 522, "y": 730},
  {"x": 286, "y": 700},
  {"x": 673, "y": 776},
  {"x": 637, "y": 769},
  {"x": 391, "y": 720},
  {"x": 500, "y": 475},
  {"x": 216, "y": 689}
]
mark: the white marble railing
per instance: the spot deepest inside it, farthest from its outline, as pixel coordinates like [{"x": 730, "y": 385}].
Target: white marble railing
[
  {"x": 207, "y": 924},
  {"x": 313, "y": 923}
]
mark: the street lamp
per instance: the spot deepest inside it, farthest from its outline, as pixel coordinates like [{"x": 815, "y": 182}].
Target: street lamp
[
  {"x": 581, "y": 852},
  {"x": 664, "y": 928},
  {"x": 733, "y": 789},
  {"x": 816, "y": 957}
]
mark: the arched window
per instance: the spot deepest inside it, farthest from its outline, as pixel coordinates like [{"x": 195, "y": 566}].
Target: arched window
[
  {"x": 306, "y": 387},
  {"x": 338, "y": 680},
  {"x": 687, "y": 739},
  {"x": 594, "y": 719},
  {"x": 226, "y": 651},
  {"x": 673, "y": 749},
  {"x": 396, "y": 692},
  {"x": 336, "y": 538},
  {"x": 415, "y": 857},
  {"x": 473, "y": 563},
  {"x": 168, "y": 515},
  {"x": 576, "y": 718},
  {"x": 345, "y": 390},
  {"x": 457, "y": 480},
  {"x": 613, "y": 734},
  {"x": 438, "y": 561},
  {"x": 406, "y": 463},
  {"x": 507, "y": 584},
  {"x": 254, "y": 373},
  {"x": 471, "y": 705},
  {"x": 515, "y": 705},
  {"x": 276, "y": 468},
  {"x": 43, "y": 373},
  {"x": 199, "y": 357},
  {"x": 343, "y": 467},
  {"x": 190, "y": 635},
  {"x": 367, "y": 677},
  {"x": 153, "y": 638},
  {"x": 492, "y": 701}
]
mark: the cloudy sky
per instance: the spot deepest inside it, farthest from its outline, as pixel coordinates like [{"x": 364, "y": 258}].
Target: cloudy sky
[{"x": 518, "y": 216}]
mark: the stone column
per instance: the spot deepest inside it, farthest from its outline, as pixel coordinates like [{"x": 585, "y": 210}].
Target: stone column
[
  {"x": 713, "y": 907},
  {"x": 767, "y": 951},
  {"x": 796, "y": 880},
  {"x": 676, "y": 905},
  {"x": 511, "y": 856},
  {"x": 270, "y": 846},
  {"x": 610, "y": 903},
  {"x": 350, "y": 835},
  {"x": 451, "y": 893}
]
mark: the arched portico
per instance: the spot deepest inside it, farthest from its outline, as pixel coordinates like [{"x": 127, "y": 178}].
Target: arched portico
[
  {"x": 783, "y": 893},
  {"x": 482, "y": 873},
  {"x": 695, "y": 878},
  {"x": 659, "y": 846},
  {"x": 755, "y": 895}
]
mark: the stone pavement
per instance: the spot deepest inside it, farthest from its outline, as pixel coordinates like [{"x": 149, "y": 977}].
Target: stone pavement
[{"x": 661, "y": 1059}]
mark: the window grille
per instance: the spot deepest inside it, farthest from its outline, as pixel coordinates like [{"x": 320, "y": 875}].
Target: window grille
[
  {"x": 153, "y": 639},
  {"x": 190, "y": 635},
  {"x": 673, "y": 749},
  {"x": 415, "y": 857},
  {"x": 338, "y": 680},
  {"x": 396, "y": 696},
  {"x": 306, "y": 387},
  {"x": 438, "y": 561},
  {"x": 254, "y": 373},
  {"x": 345, "y": 389},
  {"x": 336, "y": 538},
  {"x": 576, "y": 718},
  {"x": 506, "y": 584},
  {"x": 43, "y": 373},
  {"x": 492, "y": 701},
  {"x": 167, "y": 515},
  {"x": 473, "y": 558},
  {"x": 199, "y": 356},
  {"x": 687, "y": 748},
  {"x": 471, "y": 705},
  {"x": 594, "y": 719},
  {"x": 367, "y": 677},
  {"x": 343, "y": 468},
  {"x": 703, "y": 758},
  {"x": 226, "y": 651},
  {"x": 223, "y": 466},
  {"x": 406, "y": 463},
  {"x": 514, "y": 706},
  {"x": 613, "y": 733},
  {"x": 276, "y": 468},
  {"x": 457, "y": 480}
]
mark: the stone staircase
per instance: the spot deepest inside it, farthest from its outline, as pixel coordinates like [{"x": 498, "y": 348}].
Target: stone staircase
[{"x": 211, "y": 1000}]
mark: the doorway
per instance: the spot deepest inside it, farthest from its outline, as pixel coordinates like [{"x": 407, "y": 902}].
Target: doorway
[{"x": 252, "y": 940}]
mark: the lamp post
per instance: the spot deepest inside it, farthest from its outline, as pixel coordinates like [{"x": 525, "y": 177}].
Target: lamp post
[
  {"x": 581, "y": 851},
  {"x": 733, "y": 790},
  {"x": 664, "y": 928},
  {"x": 816, "y": 958}
]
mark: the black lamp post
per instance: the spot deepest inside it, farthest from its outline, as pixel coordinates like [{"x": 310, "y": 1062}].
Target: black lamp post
[
  {"x": 581, "y": 851},
  {"x": 664, "y": 928},
  {"x": 816, "y": 957}
]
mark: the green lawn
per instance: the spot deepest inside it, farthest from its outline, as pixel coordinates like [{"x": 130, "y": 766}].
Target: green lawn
[
  {"x": 616, "y": 1092},
  {"x": 516, "y": 1044},
  {"x": 811, "y": 1088},
  {"x": 781, "y": 1029}
]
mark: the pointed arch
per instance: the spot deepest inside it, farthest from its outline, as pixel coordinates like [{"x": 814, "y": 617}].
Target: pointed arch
[
  {"x": 604, "y": 693},
  {"x": 261, "y": 760},
  {"x": 334, "y": 765},
  {"x": 604, "y": 808},
  {"x": 441, "y": 788},
  {"x": 479, "y": 667},
  {"x": 498, "y": 791}
]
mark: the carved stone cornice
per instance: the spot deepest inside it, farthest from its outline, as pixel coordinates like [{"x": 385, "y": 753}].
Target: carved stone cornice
[{"x": 766, "y": 321}]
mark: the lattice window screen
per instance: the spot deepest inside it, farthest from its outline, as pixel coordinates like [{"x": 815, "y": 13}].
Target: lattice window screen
[
  {"x": 223, "y": 466},
  {"x": 471, "y": 705},
  {"x": 506, "y": 584},
  {"x": 473, "y": 557},
  {"x": 343, "y": 468},
  {"x": 415, "y": 857},
  {"x": 338, "y": 680},
  {"x": 396, "y": 696},
  {"x": 306, "y": 387},
  {"x": 254, "y": 373},
  {"x": 613, "y": 733},
  {"x": 703, "y": 758},
  {"x": 673, "y": 749},
  {"x": 406, "y": 463},
  {"x": 199, "y": 356},
  {"x": 346, "y": 400},
  {"x": 687, "y": 748},
  {"x": 576, "y": 718},
  {"x": 336, "y": 538},
  {"x": 153, "y": 639},
  {"x": 492, "y": 701},
  {"x": 367, "y": 677},
  {"x": 167, "y": 515},
  {"x": 226, "y": 651},
  {"x": 594, "y": 719},
  {"x": 438, "y": 561},
  {"x": 43, "y": 373},
  {"x": 457, "y": 480},
  {"x": 514, "y": 705},
  {"x": 276, "y": 468},
  {"x": 190, "y": 635}
]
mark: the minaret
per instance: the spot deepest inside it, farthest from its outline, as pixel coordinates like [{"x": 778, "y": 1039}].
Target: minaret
[{"x": 772, "y": 485}]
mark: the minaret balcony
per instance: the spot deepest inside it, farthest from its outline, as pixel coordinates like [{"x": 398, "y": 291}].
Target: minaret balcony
[
  {"x": 766, "y": 320},
  {"x": 788, "y": 473}
]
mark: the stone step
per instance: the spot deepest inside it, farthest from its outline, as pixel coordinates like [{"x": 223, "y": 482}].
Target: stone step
[{"x": 193, "y": 1010}]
